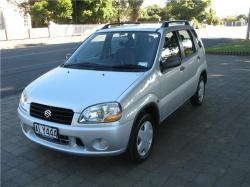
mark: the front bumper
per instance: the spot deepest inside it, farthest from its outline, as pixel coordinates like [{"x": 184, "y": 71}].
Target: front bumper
[{"x": 115, "y": 136}]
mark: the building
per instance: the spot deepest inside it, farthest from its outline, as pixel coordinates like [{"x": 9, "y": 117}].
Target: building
[{"x": 14, "y": 23}]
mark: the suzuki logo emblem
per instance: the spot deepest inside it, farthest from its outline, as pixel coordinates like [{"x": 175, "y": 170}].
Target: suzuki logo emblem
[{"x": 47, "y": 113}]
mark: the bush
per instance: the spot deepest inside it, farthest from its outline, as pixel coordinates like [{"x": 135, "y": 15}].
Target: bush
[
  {"x": 40, "y": 14},
  {"x": 154, "y": 18},
  {"x": 195, "y": 23},
  {"x": 61, "y": 10}
]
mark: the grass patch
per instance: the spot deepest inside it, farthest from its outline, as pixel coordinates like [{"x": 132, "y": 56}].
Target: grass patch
[{"x": 241, "y": 47}]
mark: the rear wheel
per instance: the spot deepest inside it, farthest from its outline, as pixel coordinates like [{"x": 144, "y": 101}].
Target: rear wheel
[
  {"x": 198, "y": 97},
  {"x": 142, "y": 138}
]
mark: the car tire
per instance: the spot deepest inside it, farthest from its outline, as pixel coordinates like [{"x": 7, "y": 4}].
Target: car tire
[
  {"x": 141, "y": 139},
  {"x": 198, "y": 97}
]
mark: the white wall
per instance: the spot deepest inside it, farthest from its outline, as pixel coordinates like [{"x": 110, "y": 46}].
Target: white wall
[
  {"x": 2, "y": 35},
  {"x": 72, "y": 30},
  {"x": 14, "y": 20},
  {"x": 54, "y": 30},
  {"x": 39, "y": 33},
  {"x": 223, "y": 32}
]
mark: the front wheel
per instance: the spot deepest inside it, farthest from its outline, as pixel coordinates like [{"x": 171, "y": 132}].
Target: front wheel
[
  {"x": 198, "y": 97},
  {"x": 142, "y": 139}
]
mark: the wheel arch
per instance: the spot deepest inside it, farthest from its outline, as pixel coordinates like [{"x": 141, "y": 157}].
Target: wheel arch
[
  {"x": 204, "y": 74},
  {"x": 150, "y": 108}
]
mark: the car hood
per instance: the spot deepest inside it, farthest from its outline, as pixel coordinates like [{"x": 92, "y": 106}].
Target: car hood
[{"x": 77, "y": 89}]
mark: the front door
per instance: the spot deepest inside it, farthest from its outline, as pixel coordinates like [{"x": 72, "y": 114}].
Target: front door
[{"x": 171, "y": 79}]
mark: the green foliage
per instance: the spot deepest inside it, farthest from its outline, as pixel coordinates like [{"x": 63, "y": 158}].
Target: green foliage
[
  {"x": 231, "y": 18},
  {"x": 195, "y": 23},
  {"x": 40, "y": 14},
  {"x": 242, "y": 17},
  {"x": 43, "y": 11},
  {"x": 154, "y": 18},
  {"x": 120, "y": 10},
  {"x": 153, "y": 10},
  {"x": 61, "y": 10},
  {"x": 237, "y": 47},
  {"x": 188, "y": 9},
  {"x": 134, "y": 9},
  {"x": 211, "y": 17},
  {"x": 154, "y": 13},
  {"x": 98, "y": 11}
]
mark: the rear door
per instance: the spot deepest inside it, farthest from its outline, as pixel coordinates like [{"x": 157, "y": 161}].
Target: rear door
[{"x": 190, "y": 62}]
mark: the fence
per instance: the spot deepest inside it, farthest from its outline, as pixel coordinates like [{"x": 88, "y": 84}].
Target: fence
[{"x": 54, "y": 30}]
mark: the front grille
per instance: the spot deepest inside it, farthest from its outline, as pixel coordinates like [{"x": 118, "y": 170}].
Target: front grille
[
  {"x": 58, "y": 115},
  {"x": 64, "y": 140}
]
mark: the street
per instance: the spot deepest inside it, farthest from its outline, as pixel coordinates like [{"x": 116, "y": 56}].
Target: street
[
  {"x": 204, "y": 146},
  {"x": 21, "y": 66}
]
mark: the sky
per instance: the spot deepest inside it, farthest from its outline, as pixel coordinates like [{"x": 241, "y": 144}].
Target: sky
[{"x": 223, "y": 8}]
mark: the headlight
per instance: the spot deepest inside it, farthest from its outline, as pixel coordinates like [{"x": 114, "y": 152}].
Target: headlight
[
  {"x": 101, "y": 113},
  {"x": 24, "y": 102}
]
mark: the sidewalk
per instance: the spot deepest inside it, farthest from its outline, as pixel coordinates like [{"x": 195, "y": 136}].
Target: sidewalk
[{"x": 40, "y": 42}]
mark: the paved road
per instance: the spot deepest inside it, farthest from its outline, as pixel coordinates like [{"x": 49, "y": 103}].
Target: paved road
[
  {"x": 21, "y": 66},
  {"x": 204, "y": 146}
]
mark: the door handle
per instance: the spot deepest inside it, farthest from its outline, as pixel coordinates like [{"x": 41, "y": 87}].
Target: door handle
[
  {"x": 198, "y": 58},
  {"x": 182, "y": 68}
]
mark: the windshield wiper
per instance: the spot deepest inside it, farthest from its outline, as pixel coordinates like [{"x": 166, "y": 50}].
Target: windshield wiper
[
  {"x": 129, "y": 66},
  {"x": 84, "y": 64}
]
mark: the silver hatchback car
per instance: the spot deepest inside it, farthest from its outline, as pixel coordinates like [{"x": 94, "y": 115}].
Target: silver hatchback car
[{"x": 114, "y": 90}]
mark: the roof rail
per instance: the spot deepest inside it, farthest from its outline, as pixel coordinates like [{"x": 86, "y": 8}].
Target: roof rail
[
  {"x": 167, "y": 23},
  {"x": 119, "y": 24}
]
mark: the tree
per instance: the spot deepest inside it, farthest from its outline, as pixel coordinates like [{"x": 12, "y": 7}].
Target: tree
[
  {"x": 40, "y": 14},
  {"x": 43, "y": 11},
  {"x": 61, "y": 10},
  {"x": 120, "y": 9},
  {"x": 98, "y": 11},
  {"x": 210, "y": 16},
  {"x": 242, "y": 17},
  {"x": 231, "y": 19},
  {"x": 151, "y": 14},
  {"x": 135, "y": 6},
  {"x": 153, "y": 10},
  {"x": 188, "y": 9}
]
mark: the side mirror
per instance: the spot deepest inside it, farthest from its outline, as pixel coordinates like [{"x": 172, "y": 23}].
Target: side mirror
[
  {"x": 67, "y": 56},
  {"x": 171, "y": 62}
]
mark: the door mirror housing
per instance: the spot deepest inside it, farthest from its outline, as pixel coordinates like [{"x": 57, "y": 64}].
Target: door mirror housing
[{"x": 170, "y": 62}]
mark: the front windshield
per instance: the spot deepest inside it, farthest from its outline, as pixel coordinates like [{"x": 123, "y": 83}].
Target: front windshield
[{"x": 116, "y": 51}]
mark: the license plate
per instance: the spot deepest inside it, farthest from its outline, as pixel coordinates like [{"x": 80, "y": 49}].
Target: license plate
[{"x": 46, "y": 131}]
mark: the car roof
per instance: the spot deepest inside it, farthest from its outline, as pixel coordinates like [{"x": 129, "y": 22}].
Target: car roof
[{"x": 152, "y": 27}]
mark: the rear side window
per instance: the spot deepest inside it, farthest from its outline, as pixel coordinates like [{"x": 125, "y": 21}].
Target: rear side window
[
  {"x": 187, "y": 42},
  {"x": 196, "y": 38}
]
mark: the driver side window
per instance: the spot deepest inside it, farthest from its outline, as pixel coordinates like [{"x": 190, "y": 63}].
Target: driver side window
[{"x": 171, "y": 47}]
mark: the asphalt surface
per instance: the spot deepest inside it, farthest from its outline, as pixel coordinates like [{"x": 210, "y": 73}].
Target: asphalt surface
[
  {"x": 207, "y": 146},
  {"x": 21, "y": 66}
]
